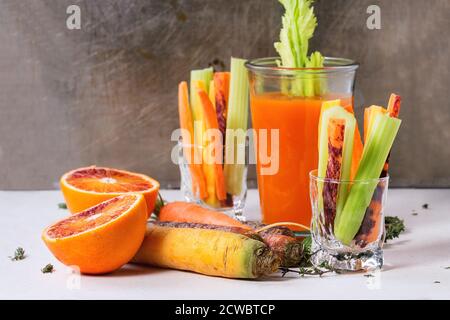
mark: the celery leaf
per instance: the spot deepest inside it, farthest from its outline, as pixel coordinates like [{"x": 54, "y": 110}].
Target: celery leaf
[{"x": 298, "y": 25}]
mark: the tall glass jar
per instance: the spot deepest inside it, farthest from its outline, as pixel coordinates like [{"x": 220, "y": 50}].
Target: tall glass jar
[{"x": 287, "y": 102}]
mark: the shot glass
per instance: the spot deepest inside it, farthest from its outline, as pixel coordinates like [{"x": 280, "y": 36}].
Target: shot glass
[
  {"x": 234, "y": 178},
  {"x": 347, "y": 224}
]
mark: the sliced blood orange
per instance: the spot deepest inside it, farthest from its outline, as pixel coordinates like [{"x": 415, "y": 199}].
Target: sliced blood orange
[
  {"x": 102, "y": 238},
  {"x": 86, "y": 187}
]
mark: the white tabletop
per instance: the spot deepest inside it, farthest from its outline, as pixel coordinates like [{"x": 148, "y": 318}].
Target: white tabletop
[{"x": 415, "y": 264}]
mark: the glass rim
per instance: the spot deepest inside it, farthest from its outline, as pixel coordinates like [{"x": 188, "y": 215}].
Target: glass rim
[
  {"x": 313, "y": 176},
  {"x": 331, "y": 64},
  {"x": 181, "y": 144}
]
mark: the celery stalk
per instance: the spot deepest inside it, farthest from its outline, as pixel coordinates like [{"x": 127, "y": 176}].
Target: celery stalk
[
  {"x": 204, "y": 75},
  {"x": 312, "y": 84},
  {"x": 298, "y": 25},
  {"x": 237, "y": 119},
  {"x": 379, "y": 143}
]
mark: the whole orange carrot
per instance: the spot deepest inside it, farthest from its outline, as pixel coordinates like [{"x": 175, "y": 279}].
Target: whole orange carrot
[
  {"x": 191, "y": 212},
  {"x": 287, "y": 247}
]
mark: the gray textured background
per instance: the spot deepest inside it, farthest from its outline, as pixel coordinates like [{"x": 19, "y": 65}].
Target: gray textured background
[{"x": 106, "y": 94}]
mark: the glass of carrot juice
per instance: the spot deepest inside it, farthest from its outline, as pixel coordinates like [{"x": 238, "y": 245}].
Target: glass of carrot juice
[{"x": 287, "y": 101}]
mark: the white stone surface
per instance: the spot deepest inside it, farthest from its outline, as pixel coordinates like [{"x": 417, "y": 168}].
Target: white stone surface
[{"x": 413, "y": 263}]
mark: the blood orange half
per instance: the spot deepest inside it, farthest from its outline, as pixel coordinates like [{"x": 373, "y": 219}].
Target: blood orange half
[
  {"x": 102, "y": 238},
  {"x": 86, "y": 187}
]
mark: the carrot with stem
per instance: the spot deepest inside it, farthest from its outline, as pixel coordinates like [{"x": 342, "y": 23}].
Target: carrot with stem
[
  {"x": 210, "y": 252},
  {"x": 286, "y": 247},
  {"x": 190, "y": 151}
]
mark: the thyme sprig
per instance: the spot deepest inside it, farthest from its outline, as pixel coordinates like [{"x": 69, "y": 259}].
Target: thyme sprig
[
  {"x": 62, "y": 205},
  {"x": 306, "y": 267},
  {"x": 48, "y": 268},
  {"x": 394, "y": 227},
  {"x": 19, "y": 254},
  {"x": 310, "y": 271}
]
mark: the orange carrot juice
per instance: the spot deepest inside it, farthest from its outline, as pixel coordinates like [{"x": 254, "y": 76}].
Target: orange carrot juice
[{"x": 284, "y": 196}]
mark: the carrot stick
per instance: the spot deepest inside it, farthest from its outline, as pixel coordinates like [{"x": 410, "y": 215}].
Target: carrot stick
[
  {"x": 370, "y": 227},
  {"x": 336, "y": 130},
  {"x": 207, "y": 162},
  {"x": 190, "y": 212},
  {"x": 357, "y": 147},
  {"x": 369, "y": 115},
  {"x": 393, "y": 110},
  {"x": 211, "y": 123},
  {"x": 189, "y": 149},
  {"x": 394, "y": 105},
  {"x": 212, "y": 94},
  {"x": 222, "y": 89}
]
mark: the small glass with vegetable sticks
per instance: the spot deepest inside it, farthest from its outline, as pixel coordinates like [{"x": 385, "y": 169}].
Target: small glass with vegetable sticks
[
  {"x": 232, "y": 200},
  {"x": 350, "y": 245},
  {"x": 213, "y": 116}
]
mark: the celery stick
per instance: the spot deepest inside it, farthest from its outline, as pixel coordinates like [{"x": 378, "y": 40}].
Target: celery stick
[
  {"x": 237, "y": 119},
  {"x": 204, "y": 75},
  {"x": 298, "y": 25},
  {"x": 379, "y": 143},
  {"x": 312, "y": 83},
  {"x": 320, "y": 83}
]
